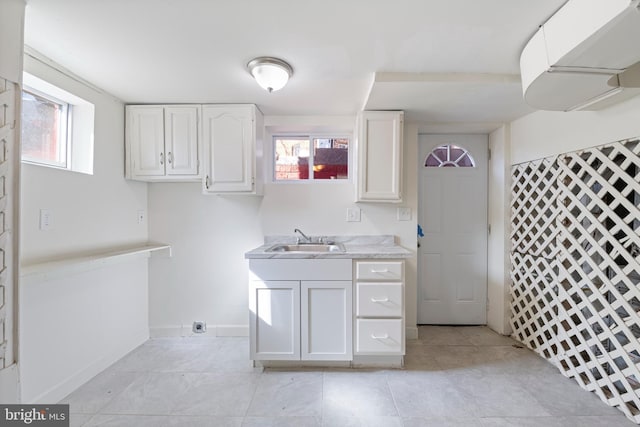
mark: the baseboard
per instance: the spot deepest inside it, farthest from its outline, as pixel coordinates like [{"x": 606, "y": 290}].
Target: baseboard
[
  {"x": 212, "y": 331},
  {"x": 411, "y": 333}
]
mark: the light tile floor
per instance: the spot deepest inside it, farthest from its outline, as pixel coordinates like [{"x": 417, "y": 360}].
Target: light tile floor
[{"x": 454, "y": 376}]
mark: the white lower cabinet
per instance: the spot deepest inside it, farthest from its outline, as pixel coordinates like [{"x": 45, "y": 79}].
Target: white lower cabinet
[
  {"x": 310, "y": 310},
  {"x": 379, "y": 336},
  {"x": 326, "y": 320},
  {"x": 303, "y": 319},
  {"x": 275, "y": 320},
  {"x": 379, "y": 308}
]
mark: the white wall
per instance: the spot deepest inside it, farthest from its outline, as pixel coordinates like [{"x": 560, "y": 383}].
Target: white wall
[
  {"x": 75, "y": 325},
  {"x": 206, "y": 279},
  {"x": 11, "y": 39},
  {"x": 498, "y": 243},
  {"x": 546, "y": 133},
  {"x": 90, "y": 212}
]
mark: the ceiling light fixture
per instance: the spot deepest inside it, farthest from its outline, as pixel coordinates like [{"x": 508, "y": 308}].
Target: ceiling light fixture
[{"x": 270, "y": 73}]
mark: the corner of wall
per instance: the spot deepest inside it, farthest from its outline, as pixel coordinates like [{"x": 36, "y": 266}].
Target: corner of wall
[{"x": 498, "y": 242}]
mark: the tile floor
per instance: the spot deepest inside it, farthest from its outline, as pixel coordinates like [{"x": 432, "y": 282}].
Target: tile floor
[{"x": 454, "y": 376}]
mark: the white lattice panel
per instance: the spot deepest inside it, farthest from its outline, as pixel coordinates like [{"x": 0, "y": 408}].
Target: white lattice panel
[
  {"x": 534, "y": 305},
  {"x": 576, "y": 268},
  {"x": 599, "y": 247},
  {"x": 534, "y": 192}
]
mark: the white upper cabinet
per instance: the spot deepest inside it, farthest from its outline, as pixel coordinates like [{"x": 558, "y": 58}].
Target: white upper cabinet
[
  {"x": 379, "y": 158},
  {"x": 232, "y": 136},
  {"x": 162, "y": 142},
  {"x": 181, "y": 140}
]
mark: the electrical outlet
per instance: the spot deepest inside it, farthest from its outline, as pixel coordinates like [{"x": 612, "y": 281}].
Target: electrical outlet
[
  {"x": 404, "y": 214},
  {"x": 353, "y": 215},
  {"x": 46, "y": 219},
  {"x": 141, "y": 217},
  {"x": 199, "y": 327}
]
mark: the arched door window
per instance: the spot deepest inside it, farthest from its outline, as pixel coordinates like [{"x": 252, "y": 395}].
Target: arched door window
[{"x": 449, "y": 156}]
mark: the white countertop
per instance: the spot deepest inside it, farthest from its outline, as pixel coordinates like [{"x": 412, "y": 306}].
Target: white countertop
[{"x": 360, "y": 247}]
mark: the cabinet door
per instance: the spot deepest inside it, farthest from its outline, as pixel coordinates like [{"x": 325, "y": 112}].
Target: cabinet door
[
  {"x": 379, "y": 337},
  {"x": 380, "y": 156},
  {"x": 326, "y": 320},
  {"x": 181, "y": 140},
  {"x": 274, "y": 314},
  {"x": 228, "y": 134},
  {"x": 145, "y": 130}
]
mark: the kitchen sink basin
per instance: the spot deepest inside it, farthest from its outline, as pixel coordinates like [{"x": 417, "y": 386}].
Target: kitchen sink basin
[{"x": 307, "y": 247}]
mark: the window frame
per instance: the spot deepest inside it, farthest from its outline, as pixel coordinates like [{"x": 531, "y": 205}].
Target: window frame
[
  {"x": 65, "y": 132},
  {"x": 311, "y": 137},
  {"x": 81, "y": 122}
]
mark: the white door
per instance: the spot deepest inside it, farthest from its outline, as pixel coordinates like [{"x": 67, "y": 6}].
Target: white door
[
  {"x": 146, "y": 133},
  {"x": 181, "y": 139},
  {"x": 274, "y": 313},
  {"x": 326, "y": 320},
  {"x": 228, "y": 140},
  {"x": 452, "y": 270}
]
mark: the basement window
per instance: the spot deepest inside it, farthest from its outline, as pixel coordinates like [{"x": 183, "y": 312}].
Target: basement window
[
  {"x": 310, "y": 158},
  {"x": 57, "y": 127},
  {"x": 45, "y": 135}
]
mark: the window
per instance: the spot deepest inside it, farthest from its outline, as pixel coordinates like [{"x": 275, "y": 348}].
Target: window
[
  {"x": 305, "y": 158},
  {"x": 449, "y": 156},
  {"x": 57, "y": 127},
  {"x": 44, "y": 129}
]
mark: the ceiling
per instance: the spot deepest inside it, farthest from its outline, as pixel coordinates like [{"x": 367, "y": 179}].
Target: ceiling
[{"x": 447, "y": 63}]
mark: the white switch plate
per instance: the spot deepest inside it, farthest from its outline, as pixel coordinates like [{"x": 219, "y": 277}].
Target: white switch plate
[
  {"x": 353, "y": 215},
  {"x": 404, "y": 214},
  {"x": 141, "y": 217},
  {"x": 46, "y": 219}
]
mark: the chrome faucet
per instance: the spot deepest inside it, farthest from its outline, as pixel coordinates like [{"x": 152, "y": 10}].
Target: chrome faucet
[{"x": 308, "y": 239}]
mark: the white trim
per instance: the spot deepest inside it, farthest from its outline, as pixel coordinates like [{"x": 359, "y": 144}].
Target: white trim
[
  {"x": 39, "y": 57},
  {"x": 212, "y": 331},
  {"x": 411, "y": 332}
]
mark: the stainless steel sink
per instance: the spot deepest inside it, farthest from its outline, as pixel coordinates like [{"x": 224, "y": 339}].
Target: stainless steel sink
[{"x": 307, "y": 247}]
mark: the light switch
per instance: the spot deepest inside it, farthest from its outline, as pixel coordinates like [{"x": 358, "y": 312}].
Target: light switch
[
  {"x": 404, "y": 214},
  {"x": 353, "y": 215},
  {"x": 46, "y": 219}
]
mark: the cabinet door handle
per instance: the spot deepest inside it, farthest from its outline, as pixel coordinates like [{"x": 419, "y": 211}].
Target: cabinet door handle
[
  {"x": 169, "y": 157},
  {"x": 384, "y": 270},
  {"x": 380, "y": 337},
  {"x": 379, "y": 299},
  {"x": 162, "y": 158},
  {"x": 206, "y": 182}
]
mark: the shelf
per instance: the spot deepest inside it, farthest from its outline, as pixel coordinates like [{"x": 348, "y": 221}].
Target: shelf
[{"x": 77, "y": 264}]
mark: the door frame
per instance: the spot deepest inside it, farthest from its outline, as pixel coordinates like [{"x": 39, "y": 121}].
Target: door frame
[{"x": 420, "y": 160}]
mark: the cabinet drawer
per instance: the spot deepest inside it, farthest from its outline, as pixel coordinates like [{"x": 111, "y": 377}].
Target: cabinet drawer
[
  {"x": 376, "y": 270},
  {"x": 379, "y": 336},
  {"x": 379, "y": 299}
]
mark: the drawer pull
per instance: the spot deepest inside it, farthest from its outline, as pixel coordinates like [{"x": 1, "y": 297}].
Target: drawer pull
[
  {"x": 380, "y": 337},
  {"x": 384, "y": 270},
  {"x": 379, "y": 299}
]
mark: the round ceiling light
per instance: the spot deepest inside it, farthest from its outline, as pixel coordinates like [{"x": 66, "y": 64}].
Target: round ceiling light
[{"x": 270, "y": 73}]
